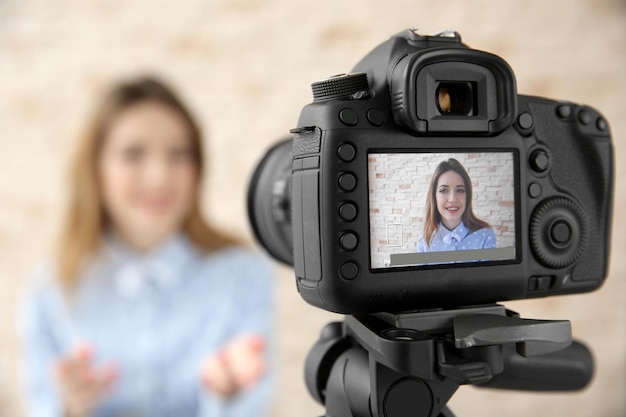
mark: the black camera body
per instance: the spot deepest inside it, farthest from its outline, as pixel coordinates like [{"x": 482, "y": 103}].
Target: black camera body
[{"x": 350, "y": 197}]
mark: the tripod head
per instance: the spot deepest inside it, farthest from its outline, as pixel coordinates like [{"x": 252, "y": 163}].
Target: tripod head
[{"x": 401, "y": 365}]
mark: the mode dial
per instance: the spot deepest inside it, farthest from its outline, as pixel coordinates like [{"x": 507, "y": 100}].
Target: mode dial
[{"x": 339, "y": 86}]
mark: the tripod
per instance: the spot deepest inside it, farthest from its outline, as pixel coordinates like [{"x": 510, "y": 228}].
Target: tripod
[{"x": 410, "y": 365}]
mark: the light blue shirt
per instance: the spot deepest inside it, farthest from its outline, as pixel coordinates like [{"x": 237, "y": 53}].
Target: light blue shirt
[
  {"x": 461, "y": 238},
  {"x": 158, "y": 316}
]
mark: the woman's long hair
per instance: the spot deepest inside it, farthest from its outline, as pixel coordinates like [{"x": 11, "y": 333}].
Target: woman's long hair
[
  {"x": 85, "y": 218},
  {"x": 433, "y": 217}
]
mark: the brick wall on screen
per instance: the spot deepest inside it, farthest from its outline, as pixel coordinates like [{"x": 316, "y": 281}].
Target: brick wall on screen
[{"x": 398, "y": 186}]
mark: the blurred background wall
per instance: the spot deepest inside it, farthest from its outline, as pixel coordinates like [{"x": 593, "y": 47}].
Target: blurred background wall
[{"x": 245, "y": 67}]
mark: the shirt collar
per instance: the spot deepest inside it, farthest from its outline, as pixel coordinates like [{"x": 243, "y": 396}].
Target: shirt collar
[
  {"x": 458, "y": 233},
  {"x": 161, "y": 267}
]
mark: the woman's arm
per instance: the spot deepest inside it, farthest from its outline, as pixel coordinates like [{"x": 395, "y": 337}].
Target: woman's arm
[
  {"x": 253, "y": 402},
  {"x": 252, "y": 294},
  {"x": 40, "y": 350}
]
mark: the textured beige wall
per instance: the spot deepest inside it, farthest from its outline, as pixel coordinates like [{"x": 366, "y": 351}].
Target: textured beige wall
[{"x": 245, "y": 66}]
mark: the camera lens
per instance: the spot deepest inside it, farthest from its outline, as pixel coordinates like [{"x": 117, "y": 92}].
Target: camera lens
[
  {"x": 455, "y": 99},
  {"x": 269, "y": 202}
]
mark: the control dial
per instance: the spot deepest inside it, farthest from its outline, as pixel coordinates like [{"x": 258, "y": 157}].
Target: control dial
[
  {"x": 339, "y": 86},
  {"x": 558, "y": 232}
]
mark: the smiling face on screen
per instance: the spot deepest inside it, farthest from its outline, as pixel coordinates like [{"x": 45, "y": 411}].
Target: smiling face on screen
[{"x": 451, "y": 198}]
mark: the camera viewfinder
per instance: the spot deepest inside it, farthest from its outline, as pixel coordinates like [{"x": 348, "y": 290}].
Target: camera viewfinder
[{"x": 455, "y": 98}]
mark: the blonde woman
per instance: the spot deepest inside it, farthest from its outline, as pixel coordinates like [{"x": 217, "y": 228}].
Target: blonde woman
[{"x": 146, "y": 309}]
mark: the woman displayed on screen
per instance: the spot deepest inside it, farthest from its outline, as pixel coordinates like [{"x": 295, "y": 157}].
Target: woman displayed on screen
[
  {"x": 450, "y": 221},
  {"x": 146, "y": 309}
]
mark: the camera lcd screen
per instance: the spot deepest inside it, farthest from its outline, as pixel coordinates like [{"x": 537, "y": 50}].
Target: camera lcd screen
[{"x": 441, "y": 208}]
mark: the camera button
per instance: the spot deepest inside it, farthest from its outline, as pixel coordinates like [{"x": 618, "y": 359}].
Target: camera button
[
  {"x": 348, "y": 117},
  {"x": 349, "y": 270},
  {"x": 348, "y": 212},
  {"x": 375, "y": 117},
  {"x": 525, "y": 121},
  {"x": 540, "y": 283},
  {"x": 347, "y": 182},
  {"x": 563, "y": 111},
  {"x": 539, "y": 161},
  {"x": 349, "y": 241},
  {"x": 561, "y": 232},
  {"x": 346, "y": 152},
  {"x": 584, "y": 117},
  {"x": 534, "y": 190},
  {"x": 601, "y": 124}
]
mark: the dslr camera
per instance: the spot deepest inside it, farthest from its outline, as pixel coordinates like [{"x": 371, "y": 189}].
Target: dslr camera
[
  {"x": 423, "y": 180},
  {"x": 416, "y": 192}
]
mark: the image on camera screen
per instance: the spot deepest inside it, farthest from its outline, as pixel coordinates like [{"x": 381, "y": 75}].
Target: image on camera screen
[{"x": 441, "y": 208}]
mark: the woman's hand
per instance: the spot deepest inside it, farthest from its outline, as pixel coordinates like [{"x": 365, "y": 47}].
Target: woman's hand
[
  {"x": 83, "y": 386},
  {"x": 237, "y": 366}
]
